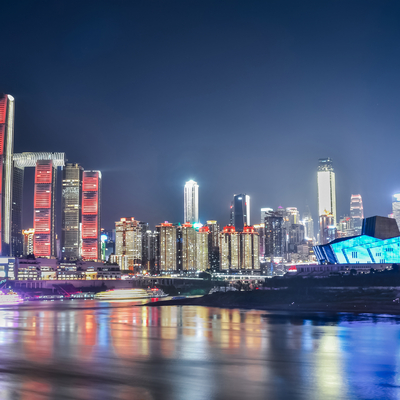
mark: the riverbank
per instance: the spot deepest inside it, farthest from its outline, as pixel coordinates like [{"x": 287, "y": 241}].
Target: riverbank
[{"x": 363, "y": 300}]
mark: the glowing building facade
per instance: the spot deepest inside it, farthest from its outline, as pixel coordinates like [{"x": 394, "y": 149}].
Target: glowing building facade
[
  {"x": 128, "y": 243},
  {"x": 187, "y": 247},
  {"x": 191, "y": 202},
  {"x": 327, "y": 229},
  {"x": 241, "y": 211},
  {"x": 6, "y": 171},
  {"x": 167, "y": 247},
  {"x": 44, "y": 244},
  {"x": 229, "y": 249},
  {"x": 91, "y": 195},
  {"x": 249, "y": 249},
  {"x": 45, "y": 165},
  {"x": 326, "y": 188},
  {"x": 28, "y": 236},
  {"x": 202, "y": 249},
  {"x": 379, "y": 243},
  {"x": 71, "y": 211},
  {"x": 356, "y": 213}
]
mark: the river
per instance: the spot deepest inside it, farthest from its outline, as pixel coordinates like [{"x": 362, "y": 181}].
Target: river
[{"x": 85, "y": 349}]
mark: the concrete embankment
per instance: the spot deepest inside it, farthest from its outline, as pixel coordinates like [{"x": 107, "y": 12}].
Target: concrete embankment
[{"x": 364, "y": 300}]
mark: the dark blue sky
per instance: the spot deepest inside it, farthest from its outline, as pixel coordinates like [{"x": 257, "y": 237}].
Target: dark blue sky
[{"x": 242, "y": 96}]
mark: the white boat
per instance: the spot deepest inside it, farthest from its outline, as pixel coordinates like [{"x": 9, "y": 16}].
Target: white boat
[
  {"x": 130, "y": 294},
  {"x": 10, "y": 298}
]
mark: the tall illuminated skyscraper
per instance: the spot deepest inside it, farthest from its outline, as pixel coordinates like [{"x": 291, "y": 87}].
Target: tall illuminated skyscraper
[
  {"x": 91, "y": 195},
  {"x": 128, "y": 243},
  {"x": 71, "y": 211},
  {"x": 191, "y": 202},
  {"x": 6, "y": 170},
  {"x": 44, "y": 243},
  {"x": 356, "y": 213},
  {"x": 241, "y": 211},
  {"x": 326, "y": 188},
  {"x": 396, "y": 208},
  {"x": 167, "y": 247},
  {"x": 264, "y": 213}
]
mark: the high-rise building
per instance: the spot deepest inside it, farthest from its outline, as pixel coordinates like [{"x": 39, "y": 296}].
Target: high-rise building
[
  {"x": 166, "y": 249},
  {"x": 213, "y": 244},
  {"x": 264, "y": 213},
  {"x": 396, "y": 208},
  {"x": 17, "y": 239},
  {"x": 151, "y": 251},
  {"x": 356, "y": 213},
  {"x": 43, "y": 216},
  {"x": 6, "y": 171},
  {"x": 249, "y": 249},
  {"x": 326, "y": 188},
  {"x": 202, "y": 248},
  {"x": 274, "y": 236},
  {"x": 241, "y": 211},
  {"x": 128, "y": 243},
  {"x": 44, "y": 244},
  {"x": 191, "y": 202},
  {"x": 260, "y": 229},
  {"x": 308, "y": 224},
  {"x": 28, "y": 235},
  {"x": 229, "y": 249},
  {"x": 187, "y": 247},
  {"x": 327, "y": 228},
  {"x": 91, "y": 204},
  {"x": 293, "y": 215},
  {"x": 71, "y": 211}
]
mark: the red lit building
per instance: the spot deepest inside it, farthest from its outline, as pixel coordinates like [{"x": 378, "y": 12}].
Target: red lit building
[
  {"x": 91, "y": 191},
  {"x": 43, "y": 209},
  {"x": 6, "y": 170}
]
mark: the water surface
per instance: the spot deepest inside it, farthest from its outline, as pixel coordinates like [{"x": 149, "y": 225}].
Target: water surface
[{"x": 114, "y": 350}]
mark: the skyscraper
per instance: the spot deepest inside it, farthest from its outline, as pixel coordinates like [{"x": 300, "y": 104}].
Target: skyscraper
[
  {"x": 44, "y": 243},
  {"x": 191, "y": 202},
  {"x": 326, "y": 188},
  {"x": 249, "y": 249},
  {"x": 91, "y": 195},
  {"x": 229, "y": 249},
  {"x": 327, "y": 229},
  {"x": 128, "y": 243},
  {"x": 71, "y": 211},
  {"x": 308, "y": 224},
  {"x": 396, "y": 208},
  {"x": 6, "y": 171},
  {"x": 187, "y": 247},
  {"x": 241, "y": 211},
  {"x": 46, "y": 165},
  {"x": 264, "y": 213},
  {"x": 213, "y": 244},
  {"x": 202, "y": 248},
  {"x": 166, "y": 249},
  {"x": 356, "y": 213},
  {"x": 274, "y": 236}
]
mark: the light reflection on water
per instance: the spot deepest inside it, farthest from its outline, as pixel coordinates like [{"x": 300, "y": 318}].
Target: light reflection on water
[{"x": 90, "y": 350}]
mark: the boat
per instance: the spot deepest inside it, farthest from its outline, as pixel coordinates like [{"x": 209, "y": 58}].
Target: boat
[
  {"x": 10, "y": 298},
  {"x": 130, "y": 294}
]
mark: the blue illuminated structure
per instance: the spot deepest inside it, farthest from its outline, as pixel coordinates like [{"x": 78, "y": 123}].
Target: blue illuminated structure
[{"x": 379, "y": 244}]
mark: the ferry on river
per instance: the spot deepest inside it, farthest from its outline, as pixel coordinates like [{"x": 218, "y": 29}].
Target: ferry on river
[
  {"x": 130, "y": 294},
  {"x": 10, "y": 298}
]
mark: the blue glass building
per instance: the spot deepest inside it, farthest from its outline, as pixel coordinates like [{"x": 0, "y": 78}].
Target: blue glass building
[{"x": 379, "y": 243}]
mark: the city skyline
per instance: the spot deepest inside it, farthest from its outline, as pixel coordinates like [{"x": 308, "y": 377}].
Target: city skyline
[{"x": 255, "y": 116}]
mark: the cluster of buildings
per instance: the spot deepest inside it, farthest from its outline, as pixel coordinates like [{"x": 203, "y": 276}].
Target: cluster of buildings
[
  {"x": 85, "y": 251},
  {"x": 80, "y": 206}
]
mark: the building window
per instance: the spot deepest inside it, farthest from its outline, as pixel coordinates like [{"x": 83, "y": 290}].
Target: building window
[{"x": 353, "y": 254}]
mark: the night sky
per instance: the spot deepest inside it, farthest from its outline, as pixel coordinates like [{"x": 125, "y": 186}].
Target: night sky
[{"x": 241, "y": 96}]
